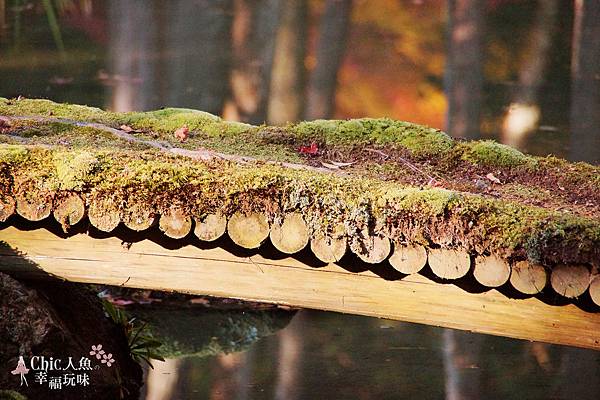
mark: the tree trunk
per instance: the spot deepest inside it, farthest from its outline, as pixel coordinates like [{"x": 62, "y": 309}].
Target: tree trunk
[
  {"x": 464, "y": 67},
  {"x": 254, "y": 31},
  {"x": 524, "y": 112},
  {"x": 287, "y": 81},
  {"x": 461, "y": 358},
  {"x": 197, "y": 53},
  {"x": 162, "y": 379},
  {"x": 133, "y": 34},
  {"x": 585, "y": 82},
  {"x": 329, "y": 55},
  {"x": 289, "y": 371}
]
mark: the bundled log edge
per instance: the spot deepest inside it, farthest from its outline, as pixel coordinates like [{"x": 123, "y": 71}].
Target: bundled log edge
[{"x": 292, "y": 234}]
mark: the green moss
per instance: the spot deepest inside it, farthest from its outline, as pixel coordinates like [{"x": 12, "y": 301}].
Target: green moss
[
  {"x": 488, "y": 152},
  {"x": 40, "y": 107},
  {"x": 73, "y": 170},
  {"x": 95, "y": 162},
  {"x": 10, "y": 153},
  {"x": 170, "y": 119}
]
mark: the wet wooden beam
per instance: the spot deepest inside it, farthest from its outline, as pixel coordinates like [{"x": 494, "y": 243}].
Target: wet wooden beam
[{"x": 217, "y": 272}]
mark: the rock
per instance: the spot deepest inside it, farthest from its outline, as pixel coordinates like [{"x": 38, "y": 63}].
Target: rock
[{"x": 58, "y": 319}]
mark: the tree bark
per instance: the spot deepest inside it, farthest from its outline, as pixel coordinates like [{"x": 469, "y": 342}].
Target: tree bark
[
  {"x": 254, "y": 31},
  {"x": 286, "y": 100},
  {"x": 464, "y": 67},
  {"x": 585, "y": 82},
  {"x": 330, "y": 50}
]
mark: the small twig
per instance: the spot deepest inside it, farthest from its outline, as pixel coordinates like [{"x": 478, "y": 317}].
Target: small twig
[
  {"x": 381, "y": 153},
  {"x": 204, "y": 154}
]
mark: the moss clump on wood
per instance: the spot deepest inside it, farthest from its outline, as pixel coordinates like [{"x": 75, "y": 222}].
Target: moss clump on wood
[
  {"x": 488, "y": 152},
  {"x": 132, "y": 176},
  {"x": 73, "y": 170}
]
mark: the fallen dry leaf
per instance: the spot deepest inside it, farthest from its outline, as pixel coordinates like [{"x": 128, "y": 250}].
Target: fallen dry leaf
[
  {"x": 182, "y": 133},
  {"x": 330, "y": 166},
  {"x": 492, "y": 178},
  {"x": 128, "y": 129},
  {"x": 342, "y": 164}
]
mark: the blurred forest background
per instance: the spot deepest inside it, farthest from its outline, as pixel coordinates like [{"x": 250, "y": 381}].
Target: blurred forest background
[{"x": 524, "y": 72}]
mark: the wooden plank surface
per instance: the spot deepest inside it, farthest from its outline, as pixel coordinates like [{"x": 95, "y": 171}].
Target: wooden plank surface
[{"x": 217, "y": 272}]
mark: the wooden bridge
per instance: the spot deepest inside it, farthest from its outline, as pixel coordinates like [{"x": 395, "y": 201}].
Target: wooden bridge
[{"x": 116, "y": 199}]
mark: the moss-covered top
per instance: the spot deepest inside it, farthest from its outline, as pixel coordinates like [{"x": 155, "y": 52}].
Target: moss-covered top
[{"x": 413, "y": 183}]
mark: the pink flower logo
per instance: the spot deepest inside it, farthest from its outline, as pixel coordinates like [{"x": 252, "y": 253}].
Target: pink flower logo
[
  {"x": 97, "y": 351},
  {"x": 108, "y": 359}
]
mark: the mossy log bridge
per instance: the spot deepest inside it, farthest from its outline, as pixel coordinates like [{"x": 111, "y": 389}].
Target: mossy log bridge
[{"x": 369, "y": 216}]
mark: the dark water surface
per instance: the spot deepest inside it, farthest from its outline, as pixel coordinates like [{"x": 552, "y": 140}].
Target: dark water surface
[{"x": 383, "y": 58}]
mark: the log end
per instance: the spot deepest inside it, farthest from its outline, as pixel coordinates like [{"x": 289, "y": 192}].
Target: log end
[
  {"x": 175, "y": 223},
  {"x": 211, "y": 227},
  {"x": 104, "y": 214},
  {"x": 408, "y": 259},
  {"x": 7, "y": 207},
  {"x": 528, "y": 278},
  {"x": 449, "y": 263},
  {"x": 291, "y": 236},
  {"x": 491, "y": 271},
  {"x": 33, "y": 208},
  {"x": 372, "y": 249},
  {"x": 138, "y": 218},
  {"x": 69, "y": 210},
  {"x": 248, "y": 231},
  {"x": 570, "y": 280}
]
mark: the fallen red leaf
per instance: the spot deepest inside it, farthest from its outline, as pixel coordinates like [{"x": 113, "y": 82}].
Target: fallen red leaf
[
  {"x": 312, "y": 149},
  {"x": 182, "y": 133}
]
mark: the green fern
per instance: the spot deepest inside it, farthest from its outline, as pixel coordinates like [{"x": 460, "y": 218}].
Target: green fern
[{"x": 142, "y": 345}]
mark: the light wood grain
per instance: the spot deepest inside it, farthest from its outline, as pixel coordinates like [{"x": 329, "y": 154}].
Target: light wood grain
[{"x": 216, "y": 272}]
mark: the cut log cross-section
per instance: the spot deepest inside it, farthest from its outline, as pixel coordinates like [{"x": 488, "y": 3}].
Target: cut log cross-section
[
  {"x": 138, "y": 217},
  {"x": 595, "y": 289},
  {"x": 291, "y": 236},
  {"x": 491, "y": 271},
  {"x": 570, "y": 280},
  {"x": 330, "y": 247},
  {"x": 373, "y": 249},
  {"x": 408, "y": 259},
  {"x": 528, "y": 278},
  {"x": 175, "y": 223},
  {"x": 69, "y": 210},
  {"x": 211, "y": 227},
  {"x": 7, "y": 207},
  {"x": 104, "y": 214},
  {"x": 449, "y": 263},
  {"x": 32, "y": 207},
  {"x": 248, "y": 231}
]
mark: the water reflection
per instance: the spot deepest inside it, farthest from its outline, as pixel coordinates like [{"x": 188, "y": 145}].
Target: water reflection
[{"x": 330, "y": 356}]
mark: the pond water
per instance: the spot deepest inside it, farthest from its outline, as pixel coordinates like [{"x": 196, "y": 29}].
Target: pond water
[{"x": 383, "y": 58}]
